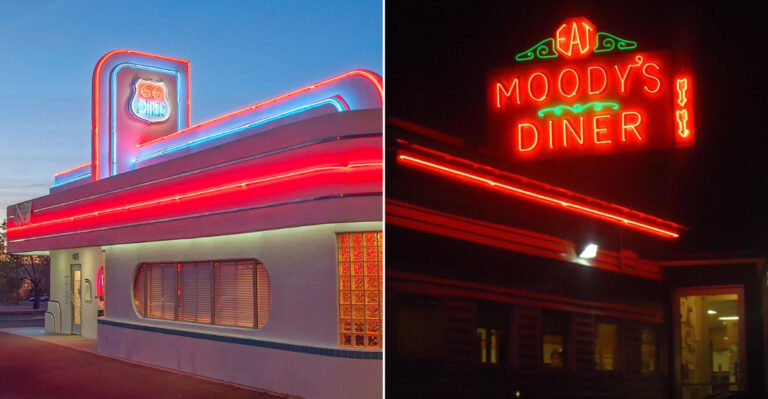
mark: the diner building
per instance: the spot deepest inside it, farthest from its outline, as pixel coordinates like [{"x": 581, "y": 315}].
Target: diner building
[
  {"x": 246, "y": 248},
  {"x": 533, "y": 212}
]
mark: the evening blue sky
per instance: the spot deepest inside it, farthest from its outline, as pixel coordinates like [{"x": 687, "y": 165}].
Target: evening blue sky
[{"x": 239, "y": 52}]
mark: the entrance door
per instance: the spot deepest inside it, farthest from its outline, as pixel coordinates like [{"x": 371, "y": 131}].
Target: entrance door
[
  {"x": 709, "y": 340},
  {"x": 75, "y": 293}
]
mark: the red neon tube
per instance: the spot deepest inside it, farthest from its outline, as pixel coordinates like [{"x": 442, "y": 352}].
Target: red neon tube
[
  {"x": 178, "y": 197},
  {"x": 523, "y": 192}
]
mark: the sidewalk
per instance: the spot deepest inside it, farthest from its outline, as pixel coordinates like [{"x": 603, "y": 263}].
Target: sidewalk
[{"x": 35, "y": 365}]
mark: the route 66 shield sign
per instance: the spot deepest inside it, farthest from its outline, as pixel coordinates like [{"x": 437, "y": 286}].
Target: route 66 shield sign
[{"x": 149, "y": 101}]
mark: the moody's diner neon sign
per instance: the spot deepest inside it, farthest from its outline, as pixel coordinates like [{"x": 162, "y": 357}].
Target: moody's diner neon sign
[{"x": 587, "y": 92}]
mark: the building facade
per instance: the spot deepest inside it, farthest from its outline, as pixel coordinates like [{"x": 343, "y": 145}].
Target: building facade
[{"x": 247, "y": 248}]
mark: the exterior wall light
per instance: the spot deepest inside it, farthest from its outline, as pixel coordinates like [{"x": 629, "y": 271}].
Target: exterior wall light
[{"x": 589, "y": 251}]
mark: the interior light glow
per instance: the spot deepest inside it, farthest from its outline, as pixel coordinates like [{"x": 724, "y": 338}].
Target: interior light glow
[
  {"x": 547, "y": 199},
  {"x": 728, "y": 317},
  {"x": 710, "y": 311},
  {"x": 589, "y": 252}
]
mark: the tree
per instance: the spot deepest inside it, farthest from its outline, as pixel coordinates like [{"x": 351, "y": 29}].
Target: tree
[{"x": 15, "y": 268}]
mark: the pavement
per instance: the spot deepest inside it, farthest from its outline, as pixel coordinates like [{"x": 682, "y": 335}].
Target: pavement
[
  {"x": 36, "y": 365},
  {"x": 22, "y": 315}
]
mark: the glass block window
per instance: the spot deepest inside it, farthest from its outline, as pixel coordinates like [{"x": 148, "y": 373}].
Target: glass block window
[
  {"x": 360, "y": 281},
  {"x": 236, "y": 293}
]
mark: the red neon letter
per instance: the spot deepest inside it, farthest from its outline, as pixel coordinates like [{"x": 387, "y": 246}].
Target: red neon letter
[
  {"x": 500, "y": 89},
  {"x": 656, "y": 78},
  {"x": 551, "y": 124},
  {"x": 546, "y": 86},
  {"x": 625, "y": 125},
  {"x": 575, "y": 32},
  {"x": 560, "y": 82},
  {"x": 589, "y": 79},
  {"x": 599, "y": 130},
  {"x": 567, "y": 126},
  {"x": 520, "y": 136},
  {"x": 623, "y": 76}
]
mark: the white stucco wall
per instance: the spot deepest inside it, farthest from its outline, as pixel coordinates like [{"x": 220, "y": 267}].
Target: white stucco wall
[
  {"x": 302, "y": 265},
  {"x": 89, "y": 260}
]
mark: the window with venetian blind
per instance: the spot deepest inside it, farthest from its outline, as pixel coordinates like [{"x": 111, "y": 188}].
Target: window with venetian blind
[
  {"x": 360, "y": 281},
  {"x": 235, "y": 293}
]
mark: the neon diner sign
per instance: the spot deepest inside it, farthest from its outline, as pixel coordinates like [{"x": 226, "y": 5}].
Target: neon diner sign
[
  {"x": 586, "y": 92},
  {"x": 149, "y": 101}
]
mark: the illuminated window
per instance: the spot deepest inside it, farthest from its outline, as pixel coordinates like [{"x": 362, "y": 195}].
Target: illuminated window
[
  {"x": 205, "y": 292},
  {"x": 360, "y": 280},
  {"x": 647, "y": 350},
  {"x": 554, "y": 338},
  {"x": 492, "y": 322},
  {"x": 606, "y": 345}
]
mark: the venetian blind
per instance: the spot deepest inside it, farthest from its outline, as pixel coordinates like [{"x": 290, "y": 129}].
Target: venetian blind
[
  {"x": 161, "y": 291},
  {"x": 195, "y": 292},
  {"x": 233, "y": 290}
]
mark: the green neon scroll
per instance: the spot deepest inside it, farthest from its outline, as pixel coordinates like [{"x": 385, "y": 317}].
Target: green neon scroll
[
  {"x": 544, "y": 49},
  {"x": 606, "y": 42},
  {"x": 577, "y": 108}
]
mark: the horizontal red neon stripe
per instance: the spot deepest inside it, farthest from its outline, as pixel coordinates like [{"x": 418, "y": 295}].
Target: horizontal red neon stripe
[
  {"x": 360, "y": 72},
  {"x": 72, "y": 169},
  {"x": 526, "y": 193},
  {"x": 179, "y": 197}
]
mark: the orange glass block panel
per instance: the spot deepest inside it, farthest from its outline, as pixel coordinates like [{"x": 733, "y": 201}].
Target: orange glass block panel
[
  {"x": 373, "y": 312},
  {"x": 374, "y": 326},
  {"x": 344, "y": 268},
  {"x": 360, "y": 281},
  {"x": 358, "y": 311},
  {"x": 371, "y": 282},
  {"x": 371, "y": 239},
  {"x": 357, "y": 240},
  {"x": 357, "y": 268},
  {"x": 374, "y": 341},
  {"x": 371, "y": 253},
  {"x": 343, "y": 240},
  {"x": 357, "y": 282}
]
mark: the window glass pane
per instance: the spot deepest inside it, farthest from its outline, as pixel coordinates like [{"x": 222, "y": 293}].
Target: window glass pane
[
  {"x": 233, "y": 290},
  {"x": 418, "y": 328},
  {"x": 648, "y": 350},
  {"x": 161, "y": 291},
  {"x": 360, "y": 280},
  {"x": 482, "y": 341},
  {"x": 606, "y": 345},
  {"x": 195, "y": 292},
  {"x": 554, "y": 337},
  {"x": 492, "y": 321}
]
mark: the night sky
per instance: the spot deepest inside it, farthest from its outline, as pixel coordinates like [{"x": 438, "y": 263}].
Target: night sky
[{"x": 437, "y": 60}]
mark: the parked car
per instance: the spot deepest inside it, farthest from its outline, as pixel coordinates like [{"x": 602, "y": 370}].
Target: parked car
[{"x": 43, "y": 297}]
